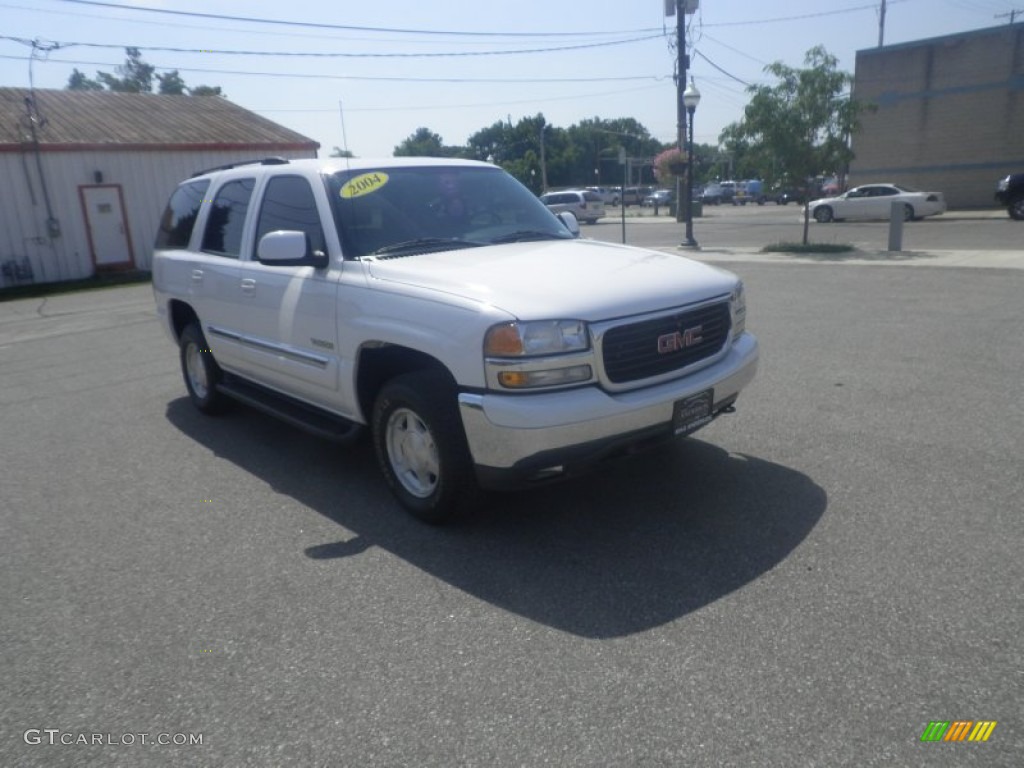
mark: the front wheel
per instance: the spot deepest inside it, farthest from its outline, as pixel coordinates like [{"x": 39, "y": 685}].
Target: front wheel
[
  {"x": 1016, "y": 209},
  {"x": 200, "y": 370},
  {"x": 823, "y": 214},
  {"x": 421, "y": 447}
]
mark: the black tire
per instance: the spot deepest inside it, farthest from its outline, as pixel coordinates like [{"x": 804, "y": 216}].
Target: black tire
[
  {"x": 908, "y": 212},
  {"x": 823, "y": 214},
  {"x": 200, "y": 371},
  {"x": 1016, "y": 209},
  {"x": 421, "y": 447}
]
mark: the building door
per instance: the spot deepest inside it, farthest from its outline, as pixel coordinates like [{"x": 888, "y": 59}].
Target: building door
[{"x": 109, "y": 240}]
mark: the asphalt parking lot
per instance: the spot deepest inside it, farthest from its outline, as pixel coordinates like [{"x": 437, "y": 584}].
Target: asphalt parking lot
[{"x": 808, "y": 582}]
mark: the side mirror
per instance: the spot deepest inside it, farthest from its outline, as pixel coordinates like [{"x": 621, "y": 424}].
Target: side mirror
[
  {"x": 289, "y": 248},
  {"x": 570, "y": 222}
]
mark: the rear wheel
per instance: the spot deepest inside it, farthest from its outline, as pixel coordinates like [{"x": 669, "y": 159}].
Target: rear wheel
[
  {"x": 200, "y": 370},
  {"x": 421, "y": 447},
  {"x": 908, "y": 213},
  {"x": 823, "y": 214}
]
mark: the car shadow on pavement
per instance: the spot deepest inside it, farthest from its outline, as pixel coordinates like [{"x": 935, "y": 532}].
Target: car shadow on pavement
[{"x": 644, "y": 541}]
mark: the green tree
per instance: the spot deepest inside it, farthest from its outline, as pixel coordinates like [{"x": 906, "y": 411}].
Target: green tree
[
  {"x": 801, "y": 125},
  {"x": 206, "y": 90},
  {"x": 136, "y": 76},
  {"x": 583, "y": 154},
  {"x": 339, "y": 152},
  {"x": 80, "y": 82},
  {"x": 517, "y": 149},
  {"x": 171, "y": 84},
  {"x": 425, "y": 143},
  {"x": 597, "y": 142}
]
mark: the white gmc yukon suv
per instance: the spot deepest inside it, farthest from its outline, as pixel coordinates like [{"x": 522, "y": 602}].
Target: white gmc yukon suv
[{"x": 439, "y": 304}]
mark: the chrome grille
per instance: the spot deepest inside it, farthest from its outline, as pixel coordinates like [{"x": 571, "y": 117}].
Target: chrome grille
[{"x": 664, "y": 344}]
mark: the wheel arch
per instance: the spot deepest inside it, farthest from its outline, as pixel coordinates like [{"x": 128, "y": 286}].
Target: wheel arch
[
  {"x": 379, "y": 362},
  {"x": 181, "y": 315}
]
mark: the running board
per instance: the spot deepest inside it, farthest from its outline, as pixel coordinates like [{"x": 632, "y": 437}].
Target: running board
[{"x": 306, "y": 417}]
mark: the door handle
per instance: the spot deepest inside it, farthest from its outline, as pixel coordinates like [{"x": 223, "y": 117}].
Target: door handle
[
  {"x": 197, "y": 275},
  {"x": 248, "y": 285}
]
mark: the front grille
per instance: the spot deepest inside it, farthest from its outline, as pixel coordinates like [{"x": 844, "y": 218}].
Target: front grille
[{"x": 662, "y": 345}]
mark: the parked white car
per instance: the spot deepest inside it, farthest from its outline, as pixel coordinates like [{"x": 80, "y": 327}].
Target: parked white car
[
  {"x": 874, "y": 201},
  {"x": 582, "y": 203},
  {"x": 610, "y": 195}
]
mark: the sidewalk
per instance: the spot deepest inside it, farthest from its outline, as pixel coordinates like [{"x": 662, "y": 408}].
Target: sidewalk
[
  {"x": 1003, "y": 259},
  {"x": 978, "y": 259}
]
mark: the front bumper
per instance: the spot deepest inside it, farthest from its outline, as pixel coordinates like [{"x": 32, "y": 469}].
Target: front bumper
[{"x": 519, "y": 439}]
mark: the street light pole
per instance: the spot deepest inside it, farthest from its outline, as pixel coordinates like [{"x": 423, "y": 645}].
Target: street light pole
[{"x": 691, "y": 98}]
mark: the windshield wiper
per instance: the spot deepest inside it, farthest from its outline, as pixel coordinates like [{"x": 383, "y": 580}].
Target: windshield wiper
[
  {"x": 529, "y": 234},
  {"x": 424, "y": 245}
]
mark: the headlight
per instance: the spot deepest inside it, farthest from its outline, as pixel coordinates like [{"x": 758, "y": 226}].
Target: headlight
[
  {"x": 540, "y": 337},
  {"x": 538, "y": 354},
  {"x": 738, "y": 309}
]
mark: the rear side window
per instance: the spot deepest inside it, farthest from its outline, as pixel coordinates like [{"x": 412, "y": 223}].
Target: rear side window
[
  {"x": 226, "y": 222},
  {"x": 592, "y": 197},
  {"x": 289, "y": 204},
  {"x": 180, "y": 215}
]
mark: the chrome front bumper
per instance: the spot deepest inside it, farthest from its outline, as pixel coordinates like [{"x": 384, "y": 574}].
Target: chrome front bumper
[{"x": 524, "y": 436}]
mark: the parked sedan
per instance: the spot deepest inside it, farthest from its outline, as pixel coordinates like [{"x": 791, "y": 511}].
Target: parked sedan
[
  {"x": 786, "y": 195},
  {"x": 874, "y": 201},
  {"x": 660, "y": 197}
]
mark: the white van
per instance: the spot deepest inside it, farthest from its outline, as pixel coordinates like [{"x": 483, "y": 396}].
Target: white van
[{"x": 583, "y": 204}]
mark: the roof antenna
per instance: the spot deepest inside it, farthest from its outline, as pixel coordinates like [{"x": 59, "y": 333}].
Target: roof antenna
[{"x": 344, "y": 136}]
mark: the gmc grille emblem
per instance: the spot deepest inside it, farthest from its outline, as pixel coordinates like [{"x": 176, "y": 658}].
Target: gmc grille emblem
[{"x": 673, "y": 342}]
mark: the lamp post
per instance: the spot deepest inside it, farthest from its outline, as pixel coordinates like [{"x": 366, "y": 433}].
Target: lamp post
[{"x": 691, "y": 98}]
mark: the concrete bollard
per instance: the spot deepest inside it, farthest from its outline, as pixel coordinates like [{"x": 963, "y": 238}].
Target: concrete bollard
[{"x": 896, "y": 227}]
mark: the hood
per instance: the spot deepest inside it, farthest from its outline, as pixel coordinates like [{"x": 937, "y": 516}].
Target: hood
[{"x": 575, "y": 279}]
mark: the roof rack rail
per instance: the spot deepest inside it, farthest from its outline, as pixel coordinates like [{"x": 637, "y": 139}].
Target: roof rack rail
[{"x": 227, "y": 166}]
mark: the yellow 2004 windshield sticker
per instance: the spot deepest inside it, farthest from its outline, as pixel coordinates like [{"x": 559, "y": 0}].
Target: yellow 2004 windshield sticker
[{"x": 364, "y": 184}]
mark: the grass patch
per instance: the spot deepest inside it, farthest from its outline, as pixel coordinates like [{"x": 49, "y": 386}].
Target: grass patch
[
  {"x": 96, "y": 282},
  {"x": 808, "y": 248}
]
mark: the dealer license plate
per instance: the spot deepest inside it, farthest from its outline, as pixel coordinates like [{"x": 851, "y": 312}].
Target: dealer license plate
[{"x": 692, "y": 413}]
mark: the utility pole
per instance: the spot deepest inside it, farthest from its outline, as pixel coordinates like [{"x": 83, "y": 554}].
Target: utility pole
[
  {"x": 881, "y": 25},
  {"x": 543, "y": 158},
  {"x": 681, "y": 9},
  {"x": 1012, "y": 13}
]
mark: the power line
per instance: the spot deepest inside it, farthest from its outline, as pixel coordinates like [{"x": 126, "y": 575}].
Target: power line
[
  {"x": 801, "y": 17},
  {"x": 165, "y": 24},
  {"x": 372, "y": 78},
  {"x": 727, "y": 74},
  {"x": 350, "y": 55},
  {"x": 347, "y": 27}
]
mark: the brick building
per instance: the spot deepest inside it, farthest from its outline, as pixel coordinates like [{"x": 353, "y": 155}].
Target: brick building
[{"x": 950, "y": 113}]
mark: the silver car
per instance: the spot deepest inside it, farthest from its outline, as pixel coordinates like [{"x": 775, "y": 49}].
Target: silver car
[{"x": 583, "y": 204}]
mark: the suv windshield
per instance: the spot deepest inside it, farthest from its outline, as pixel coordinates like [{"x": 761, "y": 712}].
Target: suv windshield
[{"x": 400, "y": 211}]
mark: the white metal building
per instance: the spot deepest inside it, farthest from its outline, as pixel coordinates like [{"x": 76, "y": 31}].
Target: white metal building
[{"x": 85, "y": 175}]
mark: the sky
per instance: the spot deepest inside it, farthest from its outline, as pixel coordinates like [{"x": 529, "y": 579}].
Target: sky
[{"x": 386, "y": 68}]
